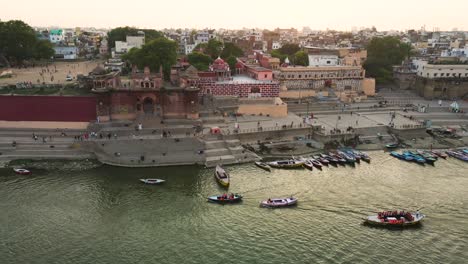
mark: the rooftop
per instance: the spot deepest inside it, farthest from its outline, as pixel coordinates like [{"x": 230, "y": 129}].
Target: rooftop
[
  {"x": 244, "y": 79},
  {"x": 320, "y": 68}
]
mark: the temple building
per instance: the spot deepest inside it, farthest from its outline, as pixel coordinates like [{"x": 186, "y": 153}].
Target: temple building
[{"x": 145, "y": 94}]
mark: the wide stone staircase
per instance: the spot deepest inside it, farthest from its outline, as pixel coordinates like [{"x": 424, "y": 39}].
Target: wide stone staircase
[{"x": 225, "y": 152}]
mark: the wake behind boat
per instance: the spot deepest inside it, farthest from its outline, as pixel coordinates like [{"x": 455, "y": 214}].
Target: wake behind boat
[
  {"x": 152, "y": 181},
  {"x": 279, "y": 202},
  {"x": 395, "y": 219},
  {"x": 222, "y": 177},
  {"x": 22, "y": 171}
]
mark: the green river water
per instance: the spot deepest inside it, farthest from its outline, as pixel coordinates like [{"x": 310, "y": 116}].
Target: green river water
[{"x": 105, "y": 215}]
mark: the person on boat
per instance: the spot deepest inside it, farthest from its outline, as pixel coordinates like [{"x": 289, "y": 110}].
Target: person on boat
[
  {"x": 231, "y": 196},
  {"x": 269, "y": 200}
]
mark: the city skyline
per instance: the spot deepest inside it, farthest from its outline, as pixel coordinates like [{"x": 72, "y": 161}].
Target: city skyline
[{"x": 401, "y": 15}]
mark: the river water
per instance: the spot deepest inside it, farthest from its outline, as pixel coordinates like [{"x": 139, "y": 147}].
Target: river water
[{"x": 105, "y": 215}]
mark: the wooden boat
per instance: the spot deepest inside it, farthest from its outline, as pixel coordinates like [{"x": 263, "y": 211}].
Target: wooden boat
[
  {"x": 457, "y": 155},
  {"x": 225, "y": 198},
  {"x": 324, "y": 161},
  {"x": 308, "y": 165},
  {"x": 152, "y": 181},
  {"x": 263, "y": 165},
  {"x": 279, "y": 202},
  {"x": 333, "y": 161},
  {"x": 364, "y": 156},
  {"x": 316, "y": 163},
  {"x": 340, "y": 160},
  {"x": 395, "y": 219},
  {"x": 419, "y": 159},
  {"x": 439, "y": 154},
  {"x": 222, "y": 176},
  {"x": 349, "y": 159},
  {"x": 392, "y": 145},
  {"x": 429, "y": 158},
  {"x": 286, "y": 164},
  {"x": 22, "y": 171}
]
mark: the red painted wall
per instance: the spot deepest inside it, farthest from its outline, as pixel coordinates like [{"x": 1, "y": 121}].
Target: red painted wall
[{"x": 48, "y": 108}]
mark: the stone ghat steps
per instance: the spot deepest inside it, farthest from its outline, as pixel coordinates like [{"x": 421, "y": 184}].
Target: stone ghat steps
[{"x": 151, "y": 160}]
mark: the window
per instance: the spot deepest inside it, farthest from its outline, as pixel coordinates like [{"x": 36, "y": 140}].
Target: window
[
  {"x": 266, "y": 75},
  {"x": 328, "y": 62},
  {"x": 300, "y": 76},
  {"x": 435, "y": 74},
  {"x": 442, "y": 74}
]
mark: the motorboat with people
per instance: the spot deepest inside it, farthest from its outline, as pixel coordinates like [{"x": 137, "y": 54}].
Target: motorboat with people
[
  {"x": 279, "y": 202},
  {"x": 263, "y": 165},
  {"x": 22, "y": 171},
  {"x": 222, "y": 177},
  {"x": 395, "y": 219},
  {"x": 152, "y": 181},
  {"x": 225, "y": 198},
  {"x": 286, "y": 164}
]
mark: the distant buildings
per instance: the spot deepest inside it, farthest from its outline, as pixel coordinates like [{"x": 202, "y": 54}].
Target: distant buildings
[{"x": 122, "y": 47}]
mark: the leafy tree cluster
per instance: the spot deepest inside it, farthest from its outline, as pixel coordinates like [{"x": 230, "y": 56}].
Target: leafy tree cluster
[
  {"x": 18, "y": 42},
  {"x": 205, "y": 53},
  {"x": 293, "y": 52},
  {"x": 382, "y": 54},
  {"x": 154, "y": 54},
  {"x": 121, "y": 33}
]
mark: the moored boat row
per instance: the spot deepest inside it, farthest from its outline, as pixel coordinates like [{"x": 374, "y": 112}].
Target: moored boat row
[{"x": 429, "y": 156}]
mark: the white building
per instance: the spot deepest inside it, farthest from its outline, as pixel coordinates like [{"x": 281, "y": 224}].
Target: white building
[
  {"x": 132, "y": 42},
  {"x": 56, "y": 35},
  {"x": 189, "y": 48},
  {"x": 433, "y": 71},
  {"x": 276, "y": 45},
  {"x": 323, "y": 60}
]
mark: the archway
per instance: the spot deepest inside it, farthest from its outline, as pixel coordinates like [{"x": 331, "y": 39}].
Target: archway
[{"x": 148, "y": 105}]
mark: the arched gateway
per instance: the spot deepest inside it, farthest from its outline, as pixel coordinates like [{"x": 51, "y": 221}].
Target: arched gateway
[{"x": 148, "y": 105}]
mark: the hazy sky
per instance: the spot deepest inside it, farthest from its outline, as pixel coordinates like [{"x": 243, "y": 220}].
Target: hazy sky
[{"x": 333, "y": 14}]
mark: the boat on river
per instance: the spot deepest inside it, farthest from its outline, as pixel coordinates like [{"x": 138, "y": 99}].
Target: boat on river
[
  {"x": 333, "y": 161},
  {"x": 392, "y": 145},
  {"x": 263, "y": 165},
  {"x": 286, "y": 164},
  {"x": 152, "y": 181},
  {"x": 225, "y": 198},
  {"x": 458, "y": 155},
  {"x": 22, "y": 171},
  {"x": 395, "y": 219},
  {"x": 439, "y": 154},
  {"x": 322, "y": 160},
  {"x": 222, "y": 177},
  {"x": 308, "y": 165},
  {"x": 279, "y": 202}
]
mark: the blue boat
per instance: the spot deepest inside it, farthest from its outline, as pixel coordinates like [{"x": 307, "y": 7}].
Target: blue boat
[{"x": 419, "y": 159}]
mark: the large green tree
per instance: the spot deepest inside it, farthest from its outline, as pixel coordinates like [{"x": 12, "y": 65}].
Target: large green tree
[
  {"x": 214, "y": 48},
  {"x": 231, "y": 49},
  {"x": 382, "y": 54},
  {"x": 279, "y": 55},
  {"x": 18, "y": 42},
  {"x": 301, "y": 58},
  {"x": 199, "y": 60},
  {"x": 121, "y": 33},
  {"x": 289, "y": 49},
  {"x": 231, "y": 60},
  {"x": 156, "y": 53}
]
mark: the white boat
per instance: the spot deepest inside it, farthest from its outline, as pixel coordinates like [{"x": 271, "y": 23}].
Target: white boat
[
  {"x": 392, "y": 219},
  {"x": 291, "y": 163},
  {"x": 222, "y": 177},
  {"x": 279, "y": 202},
  {"x": 22, "y": 171},
  {"x": 263, "y": 165},
  {"x": 152, "y": 181}
]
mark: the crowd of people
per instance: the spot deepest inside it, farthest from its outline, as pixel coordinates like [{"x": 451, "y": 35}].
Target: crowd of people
[{"x": 399, "y": 215}]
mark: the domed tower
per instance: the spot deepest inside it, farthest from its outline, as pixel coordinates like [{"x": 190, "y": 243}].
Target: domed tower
[{"x": 221, "y": 68}]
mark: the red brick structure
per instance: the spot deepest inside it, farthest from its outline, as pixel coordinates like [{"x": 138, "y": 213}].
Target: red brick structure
[{"x": 48, "y": 108}]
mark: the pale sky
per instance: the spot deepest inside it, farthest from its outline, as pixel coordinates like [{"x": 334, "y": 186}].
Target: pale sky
[{"x": 235, "y": 14}]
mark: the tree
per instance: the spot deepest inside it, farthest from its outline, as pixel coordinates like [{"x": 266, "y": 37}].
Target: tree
[
  {"x": 199, "y": 60},
  {"x": 18, "y": 42},
  {"x": 383, "y": 53},
  {"x": 214, "y": 48},
  {"x": 279, "y": 55},
  {"x": 154, "y": 54},
  {"x": 231, "y": 60},
  {"x": 289, "y": 49},
  {"x": 301, "y": 58},
  {"x": 231, "y": 49},
  {"x": 43, "y": 50}
]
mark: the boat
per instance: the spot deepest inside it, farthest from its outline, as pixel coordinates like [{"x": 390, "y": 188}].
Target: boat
[
  {"x": 279, "y": 202},
  {"x": 349, "y": 159},
  {"x": 152, "y": 181},
  {"x": 22, "y": 171},
  {"x": 364, "y": 156},
  {"x": 263, "y": 165},
  {"x": 308, "y": 165},
  {"x": 316, "y": 163},
  {"x": 457, "y": 155},
  {"x": 439, "y": 154},
  {"x": 286, "y": 164},
  {"x": 225, "y": 198},
  {"x": 340, "y": 160},
  {"x": 392, "y": 145},
  {"x": 324, "y": 161},
  {"x": 419, "y": 159},
  {"x": 333, "y": 161},
  {"x": 221, "y": 176},
  {"x": 429, "y": 158},
  {"x": 353, "y": 154},
  {"x": 395, "y": 219}
]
